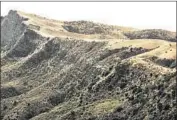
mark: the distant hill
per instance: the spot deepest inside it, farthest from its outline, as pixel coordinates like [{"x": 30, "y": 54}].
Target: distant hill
[{"x": 152, "y": 34}]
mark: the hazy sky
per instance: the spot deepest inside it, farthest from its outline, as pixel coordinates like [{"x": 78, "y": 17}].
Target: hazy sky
[{"x": 143, "y": 15}]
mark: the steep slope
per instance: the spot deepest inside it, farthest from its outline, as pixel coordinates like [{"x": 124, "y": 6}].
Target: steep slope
[{"x": 52, "y": 72}]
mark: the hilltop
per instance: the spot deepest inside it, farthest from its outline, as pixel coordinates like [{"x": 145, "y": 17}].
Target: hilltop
[{"x": 81, "y": 70}]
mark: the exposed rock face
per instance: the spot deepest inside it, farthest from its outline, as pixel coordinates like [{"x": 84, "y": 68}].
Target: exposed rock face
[
  {"x": 11, "y": 30},
  {"x": 69, "y": 79}
]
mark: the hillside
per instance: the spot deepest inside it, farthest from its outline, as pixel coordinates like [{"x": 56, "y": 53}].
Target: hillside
[
  {"x": 81, "y": 70},
  {"x": 152, "y": 34}
]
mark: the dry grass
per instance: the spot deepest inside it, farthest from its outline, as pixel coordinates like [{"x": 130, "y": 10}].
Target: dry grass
[
  {"x": 11, "y": 83},
  {"x": 104, "y": 106},
  {"x": 50, "y": 28},
  {"x": 162, "y": 49},
  {"x": 53, "y": 28},
  {"x": 159, "y": 48}
]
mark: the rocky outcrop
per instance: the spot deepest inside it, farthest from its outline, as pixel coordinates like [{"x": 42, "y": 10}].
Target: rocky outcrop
[{"x": 12, "y": 29}]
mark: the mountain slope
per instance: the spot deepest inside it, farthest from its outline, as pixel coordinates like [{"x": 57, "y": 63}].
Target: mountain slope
[{"x": 56, "y": 70}]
